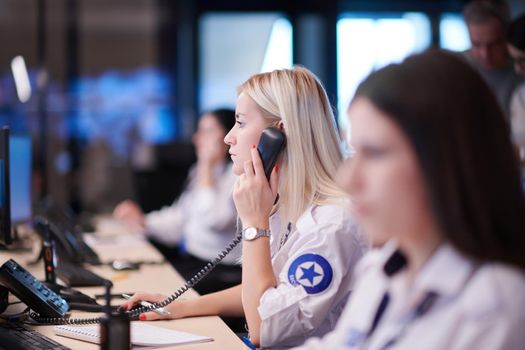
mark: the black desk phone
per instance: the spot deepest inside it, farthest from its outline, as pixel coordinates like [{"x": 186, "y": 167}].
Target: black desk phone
[
  {"x": 70, "y": 244},
  {"x": 31, "y": 291},
  {"x": 51, "y": 308}
]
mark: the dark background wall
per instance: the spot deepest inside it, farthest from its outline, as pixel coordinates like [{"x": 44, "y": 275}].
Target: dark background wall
[{"x": 116, "y": 85}]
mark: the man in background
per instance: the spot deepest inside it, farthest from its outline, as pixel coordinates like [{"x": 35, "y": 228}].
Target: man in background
[{"x": 487, "y": 22}]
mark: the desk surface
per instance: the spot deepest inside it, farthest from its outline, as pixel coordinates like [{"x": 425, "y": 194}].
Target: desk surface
[{"x": 161, "y": 278}]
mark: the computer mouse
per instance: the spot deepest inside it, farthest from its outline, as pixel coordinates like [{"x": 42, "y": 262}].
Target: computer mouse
[{"x": 121, "y": 265}]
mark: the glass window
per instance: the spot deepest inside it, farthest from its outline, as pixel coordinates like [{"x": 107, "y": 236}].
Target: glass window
[
  {"x": 279, "y": 49},
  {"x": 235, "y": 46},
  {"x": 368, "y": 41},
  {"x": 453, "y": 32}
]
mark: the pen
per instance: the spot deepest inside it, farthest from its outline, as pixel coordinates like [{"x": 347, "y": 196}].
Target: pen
[
  {"x": 117, "y": 295},
  {"x": 160, "y": 310},
  {"x": 119, "y": 276}
]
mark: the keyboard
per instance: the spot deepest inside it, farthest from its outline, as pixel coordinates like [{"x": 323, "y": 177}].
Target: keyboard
[
  {"x": 20, "y": 337},
  {"x": 77, "y": 276}
]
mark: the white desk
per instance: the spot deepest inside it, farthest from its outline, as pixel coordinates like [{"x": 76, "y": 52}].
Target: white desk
[{"x": 160, "y": 278}]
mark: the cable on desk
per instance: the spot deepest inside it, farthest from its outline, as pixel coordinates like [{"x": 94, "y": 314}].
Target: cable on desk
[{"x": 136, "y": 312}]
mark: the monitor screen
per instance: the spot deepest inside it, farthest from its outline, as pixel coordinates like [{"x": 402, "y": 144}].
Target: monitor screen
[
  {"x": 20, "y": 176},
  {"x": 2, "y": 192},
  {"x": 5, "y": 189}
]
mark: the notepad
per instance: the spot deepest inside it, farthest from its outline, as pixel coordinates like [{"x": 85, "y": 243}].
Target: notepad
[{"x": 141, "y": 335}]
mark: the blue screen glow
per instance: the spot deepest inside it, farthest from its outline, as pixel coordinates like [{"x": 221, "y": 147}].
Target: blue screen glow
[{"x": 20, "y": 178}]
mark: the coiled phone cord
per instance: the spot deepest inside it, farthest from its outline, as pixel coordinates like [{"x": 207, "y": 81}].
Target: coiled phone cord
[{"x": 134, "y": 313}]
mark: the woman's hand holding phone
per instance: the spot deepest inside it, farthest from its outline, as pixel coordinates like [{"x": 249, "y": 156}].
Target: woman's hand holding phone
[{"x": 253, "y": 195}]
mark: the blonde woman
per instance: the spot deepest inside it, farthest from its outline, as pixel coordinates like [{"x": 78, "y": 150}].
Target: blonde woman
[{"x": 296, "y": 272}]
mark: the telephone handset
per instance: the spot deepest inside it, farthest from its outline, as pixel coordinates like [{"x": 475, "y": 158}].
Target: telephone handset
[{"x": 271, "y": 144}]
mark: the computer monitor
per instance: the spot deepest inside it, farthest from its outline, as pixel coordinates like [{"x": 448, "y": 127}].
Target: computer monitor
[
  {"x": 20, "y": 176},
  {"x": 6, "y": 237}
]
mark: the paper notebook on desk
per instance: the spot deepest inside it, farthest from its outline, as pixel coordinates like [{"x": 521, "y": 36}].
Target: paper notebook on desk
[{"x": 141, "y": 335}]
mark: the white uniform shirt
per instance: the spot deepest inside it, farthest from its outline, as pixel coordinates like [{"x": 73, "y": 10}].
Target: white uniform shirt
[
  {"x": 204, "y": 217},
  {"x": 313, "y": 270},
  {"x": 477, "y": 307},
  {"x": 517, "y": 113}
]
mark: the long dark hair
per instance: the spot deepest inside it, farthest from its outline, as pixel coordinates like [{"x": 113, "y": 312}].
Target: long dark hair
[
  {"x": 226, "y": 118},
  {"x": 461, "y": 140}
]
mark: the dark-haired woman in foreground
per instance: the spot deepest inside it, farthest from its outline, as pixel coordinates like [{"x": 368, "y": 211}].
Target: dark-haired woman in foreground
[{"x": 436, "y": 183}]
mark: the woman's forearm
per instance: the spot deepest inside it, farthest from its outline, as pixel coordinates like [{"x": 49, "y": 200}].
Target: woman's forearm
[
  {"x": 224, "y": 303},
  {"x": 257, "y": 277}
]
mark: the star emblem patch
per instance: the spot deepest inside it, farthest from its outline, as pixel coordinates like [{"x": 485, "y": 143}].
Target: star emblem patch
[{"x": 313, "y": 272}]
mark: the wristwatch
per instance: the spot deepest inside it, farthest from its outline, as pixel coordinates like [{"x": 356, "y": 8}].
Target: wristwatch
[{"x": 252, "y": 233}]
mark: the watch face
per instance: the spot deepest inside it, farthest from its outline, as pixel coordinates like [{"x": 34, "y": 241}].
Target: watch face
[{"x": 250, "y": 233}]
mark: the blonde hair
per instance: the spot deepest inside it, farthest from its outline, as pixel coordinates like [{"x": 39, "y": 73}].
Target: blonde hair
[{"x": 312, "y": 155}]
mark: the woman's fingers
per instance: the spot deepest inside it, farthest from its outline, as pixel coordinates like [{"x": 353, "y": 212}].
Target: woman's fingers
[
  {"x": 122, "y": 209},
  {"x": 257, "y": 162},
  {"x": 151, "y": 316},
  {"x": 248, "y": 169},
  {"x": 130, "y": 213},
  {"x": 138, "y": 297},
  {"x": 274, "y": 180}
]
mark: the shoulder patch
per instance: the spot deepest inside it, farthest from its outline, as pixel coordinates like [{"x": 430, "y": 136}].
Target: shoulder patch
[
  {"x": 311, "y": 271},
  {"x": 355, "y": 338}
]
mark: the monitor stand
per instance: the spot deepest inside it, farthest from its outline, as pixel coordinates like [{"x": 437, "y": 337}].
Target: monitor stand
[{"x": 18, "y": 245}]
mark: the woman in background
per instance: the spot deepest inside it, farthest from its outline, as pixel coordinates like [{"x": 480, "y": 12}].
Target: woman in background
[
  {"x": 435, "y": 181},
  {"x": 203, "y": 220}
]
